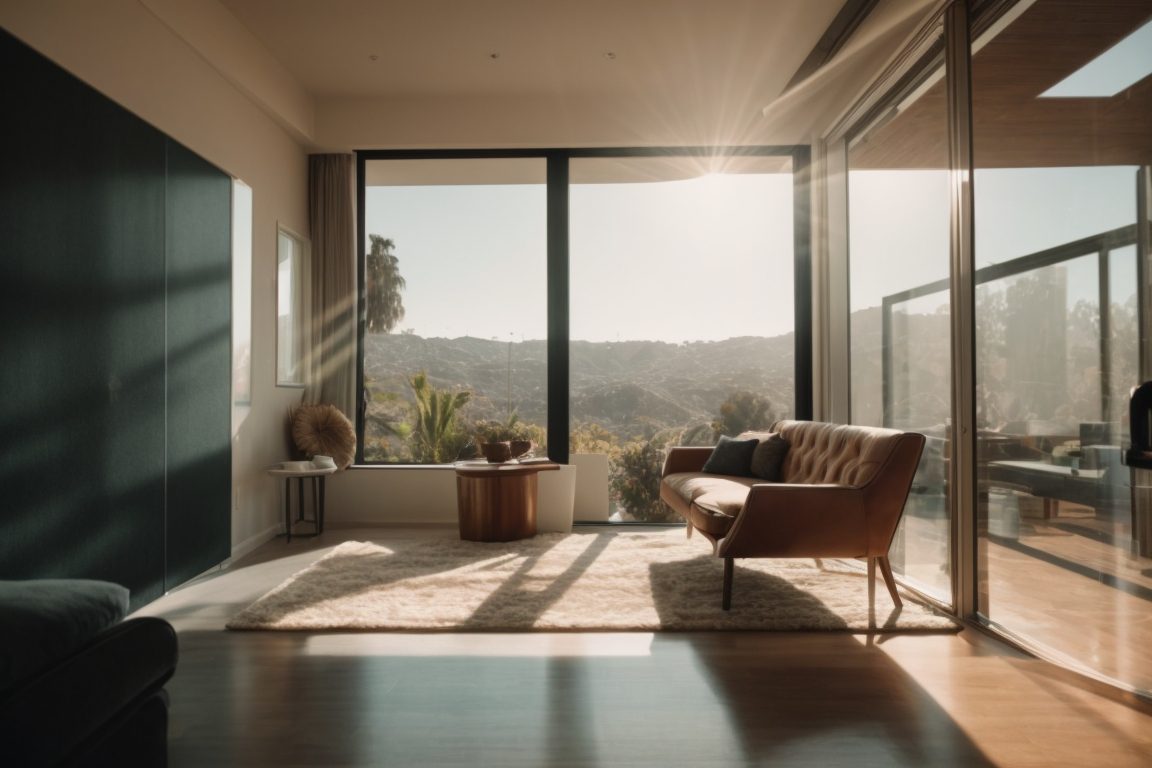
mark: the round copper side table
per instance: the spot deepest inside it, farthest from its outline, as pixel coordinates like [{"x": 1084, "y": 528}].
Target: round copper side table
[{"x": 497, "y": 502}]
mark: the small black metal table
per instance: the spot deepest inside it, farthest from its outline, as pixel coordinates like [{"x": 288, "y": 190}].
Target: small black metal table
[{"x": 316, "y": 475}]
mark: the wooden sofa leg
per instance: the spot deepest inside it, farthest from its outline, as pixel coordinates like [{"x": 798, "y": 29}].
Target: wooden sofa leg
[
  {"x": 886, "y": 570},
  {"x": 727, "y": 602},
  {"x": 871, "y": 584}
]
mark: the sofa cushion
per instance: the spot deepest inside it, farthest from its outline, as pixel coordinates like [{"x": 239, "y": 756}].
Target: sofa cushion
[
  {"x": 731, "y": 457},
  {"x": 724, "y": 495},
  {"x": 768, "y": 457},
  {"x": 48, "y": 619},
  {"x": 714, "y": 501}
]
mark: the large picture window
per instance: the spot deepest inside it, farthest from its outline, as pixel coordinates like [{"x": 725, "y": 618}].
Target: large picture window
[{"x": 595, "y": 302}]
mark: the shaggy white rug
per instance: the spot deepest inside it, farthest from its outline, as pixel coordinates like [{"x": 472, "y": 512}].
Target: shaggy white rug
[{"x": 580, "y": 581}]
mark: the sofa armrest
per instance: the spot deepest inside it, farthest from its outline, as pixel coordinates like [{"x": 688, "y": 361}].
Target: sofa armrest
[
  {"x": 794, "y": 520},
  {"x": 685, "y": 458},
  {"x": 48, "y": 718}
]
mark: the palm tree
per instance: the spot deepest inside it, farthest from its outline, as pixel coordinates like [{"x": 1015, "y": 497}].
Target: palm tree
[
  {"x": 435, "y": 437},
  {"x": 385, "y": 307}
]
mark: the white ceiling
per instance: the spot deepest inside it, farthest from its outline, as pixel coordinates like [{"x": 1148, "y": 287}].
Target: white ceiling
[
  {"x": 537, "y": 72},
  {"x": 379, "y": 48}
]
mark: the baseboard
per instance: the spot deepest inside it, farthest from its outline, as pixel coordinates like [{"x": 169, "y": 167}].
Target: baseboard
[
  {"x": 252, "y": 542},
  {"x": 338, "y": 524},
  {"x": 238, "y": 551}
]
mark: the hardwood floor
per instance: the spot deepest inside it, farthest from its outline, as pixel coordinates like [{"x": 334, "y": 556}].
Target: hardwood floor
[
  {"x": 628, "y": 699},
  {"x": 1075, "y": 569}
]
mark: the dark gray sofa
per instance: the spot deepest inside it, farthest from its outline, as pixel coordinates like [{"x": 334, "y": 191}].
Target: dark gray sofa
[{"x": 80, "y": 686}]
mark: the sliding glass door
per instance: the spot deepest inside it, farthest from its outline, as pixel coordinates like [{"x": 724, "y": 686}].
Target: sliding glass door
[
  {"x": 1061, "y": 147},
  {"x": 900, "y": 321},
  {"x": 1033, "y": 260}
]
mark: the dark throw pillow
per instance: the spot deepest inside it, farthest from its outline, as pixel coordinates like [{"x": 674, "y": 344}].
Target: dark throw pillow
[
  {"x": 731, "y": 457},
  {"x": 768, "y": 458}
]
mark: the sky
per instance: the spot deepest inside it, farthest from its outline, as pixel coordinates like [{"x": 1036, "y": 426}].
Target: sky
[
  {"x": 648, "y": 260},
  {"x": 900, "y": 229},
  {"x": 708, "y": 258},
  {"x": 1114, "y": 70}
]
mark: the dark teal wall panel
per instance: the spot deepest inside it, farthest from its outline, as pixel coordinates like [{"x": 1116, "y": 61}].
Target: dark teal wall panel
[
  {"x": 199, "y": 274},
  {"x": 84, "y": 350},
  {"x": 82, "y": 312}
]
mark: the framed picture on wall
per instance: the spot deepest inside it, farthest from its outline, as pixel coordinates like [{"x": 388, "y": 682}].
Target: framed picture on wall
[
  {"x": 292, "y": 254},
  {"x": 241, "y": 293}
]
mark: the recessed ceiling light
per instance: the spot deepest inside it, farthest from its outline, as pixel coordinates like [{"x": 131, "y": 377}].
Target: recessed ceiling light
[
  {"x": 494, "y": 55},
  {"x": 373, "y": 56},
  {"x": 1117, "y": 69},
  {"x": 610, "y": 55}
]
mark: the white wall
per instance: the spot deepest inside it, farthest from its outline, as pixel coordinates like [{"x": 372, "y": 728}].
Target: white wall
[{"x": 126, "y": 52}]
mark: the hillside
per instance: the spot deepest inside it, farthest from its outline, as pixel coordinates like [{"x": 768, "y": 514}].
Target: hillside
[
  {"x": 628, "y": 387},
  {"x": 635, "y": 389}
]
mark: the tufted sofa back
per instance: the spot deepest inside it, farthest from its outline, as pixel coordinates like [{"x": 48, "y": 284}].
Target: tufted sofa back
[{"x": 841, "y": 454}]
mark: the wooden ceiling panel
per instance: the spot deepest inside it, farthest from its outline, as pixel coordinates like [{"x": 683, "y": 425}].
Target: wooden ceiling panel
[{"x": 1012, "y": 126}]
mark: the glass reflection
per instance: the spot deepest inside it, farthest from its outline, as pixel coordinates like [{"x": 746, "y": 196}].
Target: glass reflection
[
  {"x": 1057, "y": 343},
  {"x": 901, "y": 358}
]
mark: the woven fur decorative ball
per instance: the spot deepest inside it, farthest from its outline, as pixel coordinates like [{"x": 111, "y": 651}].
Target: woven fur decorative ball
[{"x": 319, "y": 428}]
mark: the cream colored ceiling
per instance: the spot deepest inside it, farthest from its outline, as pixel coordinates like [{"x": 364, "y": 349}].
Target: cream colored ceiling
[
  {"x": 424, "y": 47},
  {"x": 537, "y": 72}
]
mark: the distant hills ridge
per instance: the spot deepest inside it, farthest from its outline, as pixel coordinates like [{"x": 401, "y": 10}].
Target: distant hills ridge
[{"x": 628, "y": 387}]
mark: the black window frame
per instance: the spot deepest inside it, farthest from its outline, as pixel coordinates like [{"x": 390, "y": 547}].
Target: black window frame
[{"x": 557, "y": 181}]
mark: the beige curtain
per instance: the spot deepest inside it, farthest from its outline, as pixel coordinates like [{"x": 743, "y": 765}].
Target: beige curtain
[{"x": 332, "y": 217}]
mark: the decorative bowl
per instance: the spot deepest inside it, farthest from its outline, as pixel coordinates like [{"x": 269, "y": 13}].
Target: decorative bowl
[
  {"x": 519, "y": 447},
  {"x": 496, "y": 453}
]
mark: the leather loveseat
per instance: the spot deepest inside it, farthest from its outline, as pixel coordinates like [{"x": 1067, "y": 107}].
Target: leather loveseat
[{"x": 840, "y": 492}]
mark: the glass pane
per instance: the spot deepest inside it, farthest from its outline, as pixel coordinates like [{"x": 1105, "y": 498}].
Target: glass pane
[
  {"x": 455, "y": 352},
  {"x": 1057, "y": 341},
  {"x": 681, "y": 312},
  {"x": 1122, "y": 333},
  {"x": 901, "y": 357}
]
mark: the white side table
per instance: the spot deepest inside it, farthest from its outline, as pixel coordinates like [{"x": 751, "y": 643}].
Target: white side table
[{"x": 316, "y": 475}]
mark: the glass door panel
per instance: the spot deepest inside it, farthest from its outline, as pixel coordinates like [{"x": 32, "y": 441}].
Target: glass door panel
[
  {"x": 900, "y": 321},
  {"x": 1058, "y": 145}
]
